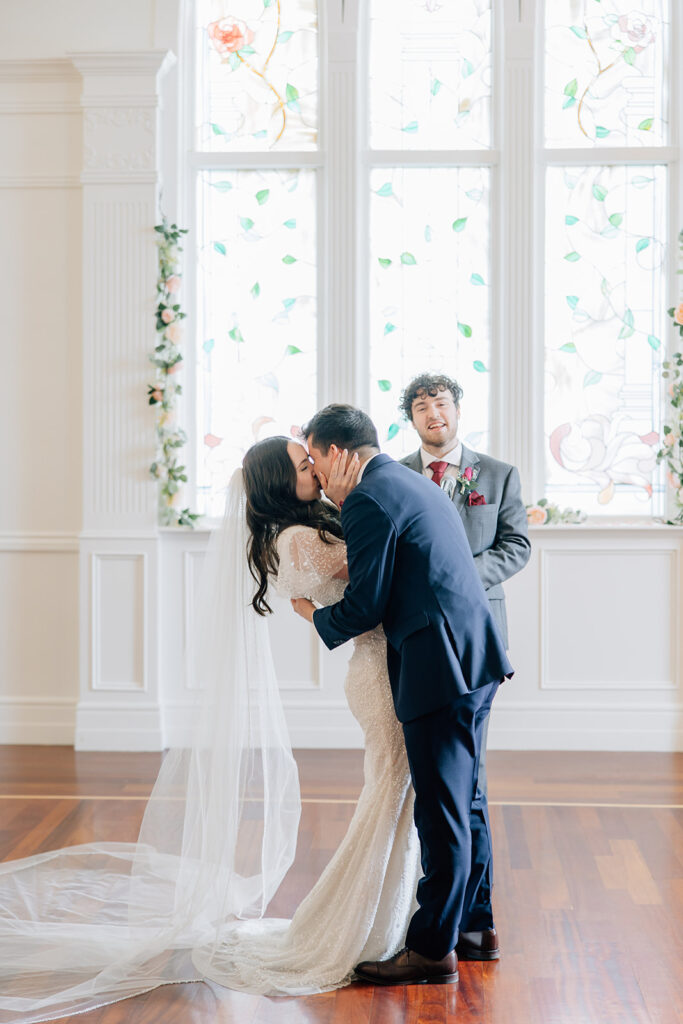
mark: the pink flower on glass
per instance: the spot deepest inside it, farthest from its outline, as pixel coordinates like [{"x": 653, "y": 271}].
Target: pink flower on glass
[
  {"x": 172, "y": 283},
  {"x": 173, "y": 334},
  {"x": 157, "y": 395},
  {"x": 467, "y": 473},
  {"x": 167, "y": 315},
  {"x": 678, "y": 314},
  {"x": 229, "y": 35},
  {"x": 637, "y": 28},
  {"x": 211, "y": 441}
]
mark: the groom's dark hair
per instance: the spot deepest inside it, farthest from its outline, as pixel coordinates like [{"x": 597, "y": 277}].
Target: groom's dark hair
[{"x": 343, "y": 425}]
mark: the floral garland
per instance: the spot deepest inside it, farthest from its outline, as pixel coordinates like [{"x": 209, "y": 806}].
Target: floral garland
[
  {"x": 167, "y": 359},
  {"x": 544, "y": 512},
  {"x": 671, "y": 452}
]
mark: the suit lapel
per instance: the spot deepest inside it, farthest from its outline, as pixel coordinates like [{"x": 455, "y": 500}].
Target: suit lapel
[{"x": 415, "y": 462}]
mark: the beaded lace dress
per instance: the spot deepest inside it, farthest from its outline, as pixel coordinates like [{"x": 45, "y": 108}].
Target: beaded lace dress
[{"x": 360, "y": 907}]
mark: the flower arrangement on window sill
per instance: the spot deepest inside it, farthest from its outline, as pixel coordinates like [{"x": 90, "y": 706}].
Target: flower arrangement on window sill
[
  {"x": 163, "y": 393},
  {"x": 543, "y": 512}
]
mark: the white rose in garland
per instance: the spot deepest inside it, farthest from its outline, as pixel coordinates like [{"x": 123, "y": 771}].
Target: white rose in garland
[{"x": 167, "y": 359}]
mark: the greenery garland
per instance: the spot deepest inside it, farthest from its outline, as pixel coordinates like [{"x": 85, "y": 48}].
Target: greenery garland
[
  {"x": 671, "y": 452},
  {"x": 167, "y": 359}
]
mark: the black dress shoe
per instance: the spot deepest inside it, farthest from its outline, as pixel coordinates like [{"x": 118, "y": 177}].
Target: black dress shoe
[
  {"x": 409, "y": 968},
  {"x": 478, "y": 945}
]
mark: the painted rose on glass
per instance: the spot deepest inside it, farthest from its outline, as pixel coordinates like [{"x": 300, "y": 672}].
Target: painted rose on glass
[
  {"x": 229, "y": 35},
  {"x": 636, "y": 29}
]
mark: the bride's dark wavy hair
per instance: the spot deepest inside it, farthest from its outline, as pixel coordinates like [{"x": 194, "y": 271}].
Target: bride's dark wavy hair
[{"x": 272, "y": 506}]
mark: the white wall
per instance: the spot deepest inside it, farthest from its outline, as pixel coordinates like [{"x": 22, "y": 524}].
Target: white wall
[{"x": 95, "y": 601}]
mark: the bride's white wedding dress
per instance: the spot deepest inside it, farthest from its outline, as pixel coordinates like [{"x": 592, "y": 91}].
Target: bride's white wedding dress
[
  {"x": 89, "y": 925},
  {"x": 361, "y": 905}
]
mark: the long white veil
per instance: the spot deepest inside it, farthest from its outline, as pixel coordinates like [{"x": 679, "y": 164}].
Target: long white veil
[{"x": 87, "y": 925}]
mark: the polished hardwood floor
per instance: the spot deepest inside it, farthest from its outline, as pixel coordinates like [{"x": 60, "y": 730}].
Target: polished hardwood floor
[{"x": 588, "y": 893}]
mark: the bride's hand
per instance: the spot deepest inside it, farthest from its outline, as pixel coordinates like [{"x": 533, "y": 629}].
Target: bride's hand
[
  {"x": 342, "y": 478},
  {"x": 303, "y": 607}
]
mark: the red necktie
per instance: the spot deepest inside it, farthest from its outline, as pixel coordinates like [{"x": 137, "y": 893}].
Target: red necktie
[{"x": 438, "y": 469}]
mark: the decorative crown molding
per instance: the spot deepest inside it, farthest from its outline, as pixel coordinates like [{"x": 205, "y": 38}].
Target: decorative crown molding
[
  {"x": 22, "y": 71},
  {"x": 147, "y": 62}
]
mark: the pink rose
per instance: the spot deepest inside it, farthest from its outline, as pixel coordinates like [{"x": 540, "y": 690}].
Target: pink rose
[
  {"x": 211, "y": 441},
  {"x": 536, "y": 515},
  {"x": 678, "y": 314},
  {"x": 172, "y": 283},
  {"x": 229, "y": 35},
  {"x": 173, "y": 334},
  {"x": 468, "y": 473},
  {"x": 157, "y": 395},
  {"x": 167, "y": 315},
  {"x": 176, "y": 366},
  {"x": 638, "y": 29}
]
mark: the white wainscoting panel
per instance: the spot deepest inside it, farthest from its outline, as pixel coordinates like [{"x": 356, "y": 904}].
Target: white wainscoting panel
[{"x": 119, "y": 627}]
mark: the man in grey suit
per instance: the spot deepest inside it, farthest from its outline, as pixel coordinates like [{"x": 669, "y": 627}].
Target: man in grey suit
[{"x": 486, "y": 492}]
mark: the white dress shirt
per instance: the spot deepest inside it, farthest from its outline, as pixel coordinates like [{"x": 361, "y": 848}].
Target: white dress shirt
[
  {"x": 366, "y": 463},
  {"x": 453, "y": 458}
]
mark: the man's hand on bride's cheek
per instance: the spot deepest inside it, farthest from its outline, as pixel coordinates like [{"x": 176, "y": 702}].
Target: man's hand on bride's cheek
[
  {"x": 343, "y": 477},
  {"x": 303, "y": 607}
]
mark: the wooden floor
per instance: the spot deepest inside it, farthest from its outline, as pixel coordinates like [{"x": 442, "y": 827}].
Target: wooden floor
[{"x": 588, "y": 894}]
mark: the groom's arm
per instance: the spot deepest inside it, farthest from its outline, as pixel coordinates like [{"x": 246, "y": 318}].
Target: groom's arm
[{"x": 370, "y": 545}]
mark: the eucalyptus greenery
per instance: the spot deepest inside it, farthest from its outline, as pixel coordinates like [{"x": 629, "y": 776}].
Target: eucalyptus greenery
[
  {"x": 163, "y": 393},
  {"x": 671, "y": 452}
]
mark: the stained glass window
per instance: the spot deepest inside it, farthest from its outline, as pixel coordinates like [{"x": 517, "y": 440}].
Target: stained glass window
[
  {"x": 256, "y": 245},
  {"x": 430, "y": 283},
  {"x": 430, "y": 74},
  {"x": 257, "y": 75},
  {"x": 606, "y": 255},
  {"x": 605, "y": 81}
]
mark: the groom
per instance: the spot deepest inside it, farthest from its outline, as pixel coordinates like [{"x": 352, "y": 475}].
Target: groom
[{"x": 410, "y": 568}]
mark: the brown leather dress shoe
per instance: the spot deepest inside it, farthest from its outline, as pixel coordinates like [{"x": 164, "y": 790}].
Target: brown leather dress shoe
[
  {"x": 409, "y": 968},
  {"x": 478, "y": 945}
]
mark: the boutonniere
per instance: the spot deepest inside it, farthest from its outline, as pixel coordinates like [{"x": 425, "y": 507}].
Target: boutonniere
[{"x": 466, "y": 480}]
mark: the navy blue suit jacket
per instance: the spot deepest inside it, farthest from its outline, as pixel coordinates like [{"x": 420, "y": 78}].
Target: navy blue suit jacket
[{"x": 411, "y": 568}]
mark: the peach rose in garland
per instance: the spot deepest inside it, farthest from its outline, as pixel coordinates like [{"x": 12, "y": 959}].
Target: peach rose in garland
[
  {"x": 172, "y": 283},
  {"x": 229, "y": 35},
  {"x": 167, "y": 315},
  {"x": 678, "y": 314},
  {"x": 173, "y": 334},
  {"x": 536, "y": 515}
]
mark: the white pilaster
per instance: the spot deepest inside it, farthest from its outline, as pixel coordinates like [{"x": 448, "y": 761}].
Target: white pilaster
[{"x": 119, "y": 705}]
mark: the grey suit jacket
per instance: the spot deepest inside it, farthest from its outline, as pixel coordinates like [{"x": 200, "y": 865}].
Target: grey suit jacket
[{"x": 497, "y": 531}]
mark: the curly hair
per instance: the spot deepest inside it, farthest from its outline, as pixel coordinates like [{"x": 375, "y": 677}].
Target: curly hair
[{"x": 428, "y": 384}]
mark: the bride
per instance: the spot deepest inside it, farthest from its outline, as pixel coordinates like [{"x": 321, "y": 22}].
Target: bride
[{"x": 88, "y": 925}]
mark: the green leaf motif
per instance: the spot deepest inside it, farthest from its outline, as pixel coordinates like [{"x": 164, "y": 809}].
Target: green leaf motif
[
  {"x": 268, "y": 3},
  {"x": 653, "y": 342},
  {"x": 571, "y": 220},
  {"x": 292, "y": 350},
  {"x": 569, "y": 102},
  {"x": 389, "y": 327},
  {"x": 236, "y": 334},
  {"x": 407, "y": 259},
  {"x": 465, "y": 330},
  {"x": 571, "y": 87},
  {"x": 247, "y": 51},
  {"x": 627, "y": 330},
  {"x": 578, "y": 31},
  {"x": 233, "y": 61},
  {"x": 477, "y": 279},
  {"x": 592, "y": 377},
  {"x": 247, "y": 223},
  {"x": 436, "y": 85},
  {"x": 640, "y": 181},
  {"x": 385, "y": 190},
  {"x": 605, "y": 287},
  {"x": 630, "y": 55},
  {"x": 256, "y": 290},
  {"x": 262, "y": 196},
  {"x": 410, "y": 128},
  {"x": 392, "y": 431},
  {"x": 284, "y": 37},
  {"x": 599, "y": 192},
  {"x": 569, "y": 347},
  {"x": 260, "y": 134},
  {"x": 208, "y": 345},
  {"x": 646, "y": 125},
  {"x": 288, "y": 260},
  {"x": 289, "y": 223},
  {"x": 459, "y": 224},
  {"x": 219, "y": 247},
  {"x": 601, "y": 133},
  {"x": 292, "y": 97},
  {"x": 474, "y": 194},
  {"x": 428, "y": 233},
  {"x": 572, "y": 257},
  {"x": 217, "y": 130},
  {"x": 641, "y": 244},
  {"x": 384, "y": 263},
  {"x": 572, "y": 301},
  {"x": 467, "y": 68},
  {"x": 479, "y": 366},
  {"x": 384, "y": 385},
  {"x": 221, "y": 186},
  {"x": 615, "y": 220},
  {"x": 288, "y": 303}
]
